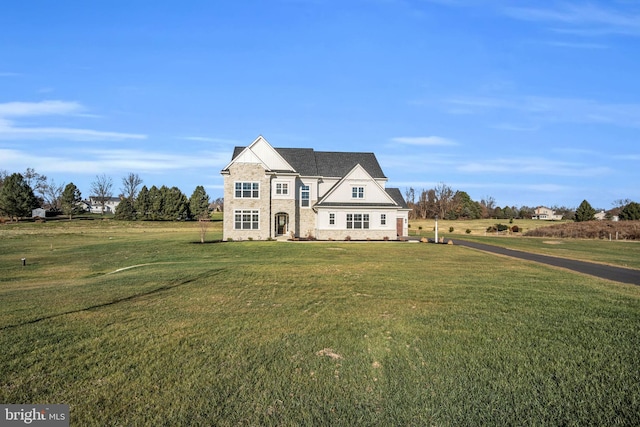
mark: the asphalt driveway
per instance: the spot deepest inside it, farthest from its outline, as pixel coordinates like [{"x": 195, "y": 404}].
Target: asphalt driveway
[{"x": 616, "y": 274}]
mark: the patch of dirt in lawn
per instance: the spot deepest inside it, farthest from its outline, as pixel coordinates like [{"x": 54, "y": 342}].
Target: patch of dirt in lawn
[{"x": 329, "y": 353}]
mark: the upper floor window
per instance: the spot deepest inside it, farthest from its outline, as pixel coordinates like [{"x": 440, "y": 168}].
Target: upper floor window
[
  {"x": 304, "y": 196},
  {"x": 282, "y": 188},
  {"x": 357, "y": 192},
  {"x": 247, "y": 190}
]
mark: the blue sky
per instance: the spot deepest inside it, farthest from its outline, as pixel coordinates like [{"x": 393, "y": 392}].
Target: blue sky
[{"x": 531, "y": 103}]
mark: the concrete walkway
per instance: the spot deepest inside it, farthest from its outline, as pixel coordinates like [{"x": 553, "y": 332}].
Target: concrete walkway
[{"x": 609, "y": 272}]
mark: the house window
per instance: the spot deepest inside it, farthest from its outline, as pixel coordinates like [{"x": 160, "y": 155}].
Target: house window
[
  {"x": 246, "y": 220},
  {"x": 332, "y": 219},
  {"x": 304, "y": 196},
  {"x": 247, "y": 190},
  {"x": 357, "y": 192},
  {"x": 383, "y": 219},
  {"x": 282, "y": 188},
  {"x": 357, "y": 221}
]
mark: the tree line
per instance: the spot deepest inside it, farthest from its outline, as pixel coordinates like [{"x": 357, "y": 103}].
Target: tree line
[
  {"x": 450, "y": 204},
  {"x": 21, "y": 193}
]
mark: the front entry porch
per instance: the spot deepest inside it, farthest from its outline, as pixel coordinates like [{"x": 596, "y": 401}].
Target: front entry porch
[{"x": 281, "y": 224}]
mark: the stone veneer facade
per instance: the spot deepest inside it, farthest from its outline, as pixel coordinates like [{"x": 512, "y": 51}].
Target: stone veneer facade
[
  {"x": 301, "y": 221},
  {"x": 247, "y": 172}
]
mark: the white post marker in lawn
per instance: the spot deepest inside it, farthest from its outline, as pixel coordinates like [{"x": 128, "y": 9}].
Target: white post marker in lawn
[{"x": 436, "y": 240}]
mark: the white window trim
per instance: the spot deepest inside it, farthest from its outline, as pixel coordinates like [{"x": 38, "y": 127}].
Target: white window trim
[
  {"x": 358, "y": 190},
  {"x": 235, "y": 190},
  {"x": 284, "y": 188},
  {"x": 365, "y": 219},
  {"x": 251, "y": 222},
  {"x": 308, "y": 191}
]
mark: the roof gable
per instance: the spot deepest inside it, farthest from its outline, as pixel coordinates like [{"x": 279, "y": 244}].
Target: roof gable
[
  {"x": 357, "y": 176},
  {"x": 260, "y": 152},
  {"x": 306, "y": 161}
]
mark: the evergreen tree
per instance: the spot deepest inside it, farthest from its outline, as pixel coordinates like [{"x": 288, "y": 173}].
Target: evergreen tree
[
  {"x": 584, "y": 212},
  {"x": 125, "y": 210},
  {"x": 199, "y": 202},
  {"x": 175, "y": 204},
  {"x": 17, "y": 198},
  {"x": 630, "y": 212},
  {"x": 155, "y": 203},
  {"x": 143, "y": 204},
  {"x": 464, "y": 207},
  {"x": 70, "y": 199}
]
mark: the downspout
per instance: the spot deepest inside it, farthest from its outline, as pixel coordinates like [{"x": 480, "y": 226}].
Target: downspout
[{"x": 270, "y": 208}]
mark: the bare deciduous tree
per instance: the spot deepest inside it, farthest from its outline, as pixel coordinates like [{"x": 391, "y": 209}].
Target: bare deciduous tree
[
  {"x": 52, "y": 195},
  {"x": 130, "y": 184},
  {"x": 37, "y": 182},
  {"x": 203, "y": 226},
  {"x": 487, "y": 204},
  {"x": 444, "y": 198},
  {"x": 410, "y": 198},
  {"x": 102, "y": 189}
]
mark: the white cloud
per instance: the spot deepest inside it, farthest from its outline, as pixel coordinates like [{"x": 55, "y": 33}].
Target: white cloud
[
  {"x": 578, "y": 45},
  {"x": 12, "y": 132},
  {"x": 110, "y": 161},
  {"x": 533, "y": 165},
  {"x": 424, "y": 140},
  {"x": 585, "y": 19},
  {"x": 630, "y": 157},
  {"x": 210, "y": 139},
  {"x": 8, "y": 130},
  {"x": 554, "y": 110},
  {"x": 43, "y": 108}
]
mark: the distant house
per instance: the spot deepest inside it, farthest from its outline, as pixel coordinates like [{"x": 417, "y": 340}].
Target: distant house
[
  {"x": 215, "y": 207},
  {"x": 300, "y": 192},
  {"x": 545, "y": 214},
  {"x": 110, "y": 204},
  {"x": 84, "y": 205},
  {"x": 602, "y": 215}
]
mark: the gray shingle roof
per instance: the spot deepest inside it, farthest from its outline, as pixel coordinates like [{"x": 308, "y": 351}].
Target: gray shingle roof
[
  {"x": 396, "y": 195},
  {"x": 308, "y": 162}
]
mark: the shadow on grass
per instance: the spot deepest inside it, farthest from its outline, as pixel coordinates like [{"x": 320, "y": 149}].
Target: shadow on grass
[
  {"x": 133, "y": 297},
  {"x": 208, "y": 242}
]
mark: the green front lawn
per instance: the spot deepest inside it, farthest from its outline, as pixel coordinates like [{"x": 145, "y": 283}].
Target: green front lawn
[{"x": 136, "y": 324}]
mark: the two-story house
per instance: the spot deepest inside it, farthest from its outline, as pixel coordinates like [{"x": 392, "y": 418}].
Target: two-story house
[
  {"x": 547, "y": 214},
  {"x": 110, "y": 204},
  {"x": 300, "y": 192}
]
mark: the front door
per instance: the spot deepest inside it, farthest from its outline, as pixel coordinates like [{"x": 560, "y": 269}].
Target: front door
[
  {"x": 399, "y": 226},
  {"x": 282, "y": 220}
]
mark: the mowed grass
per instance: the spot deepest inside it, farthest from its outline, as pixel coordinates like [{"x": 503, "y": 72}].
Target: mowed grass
[{"x": 136, "y": 324}]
